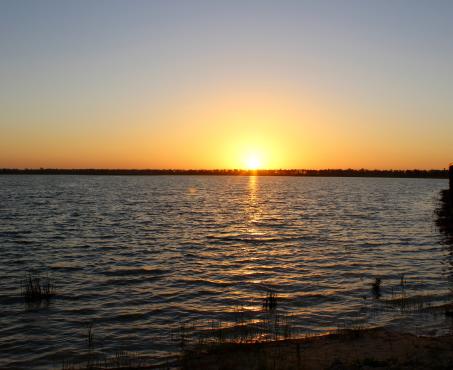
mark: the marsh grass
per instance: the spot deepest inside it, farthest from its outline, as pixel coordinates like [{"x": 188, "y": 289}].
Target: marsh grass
[
  {"x": 410, "y": 304},
  {"x": 376, "y": 287},
  {"x": 406, "y": 298},
  {"x": 90, "y": 337},
  {"x": 245, "y": 327},
  {"x": 36, "y": 290},
  {"x": 278, "y": 326},
  {"x": 270, "y": 301},
  {"x": 352, "y": 327},
  {"x": 271, "y": 326}
]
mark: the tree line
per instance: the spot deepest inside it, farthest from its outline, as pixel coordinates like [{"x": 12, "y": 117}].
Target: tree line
[{"x": 415, "y": 173}]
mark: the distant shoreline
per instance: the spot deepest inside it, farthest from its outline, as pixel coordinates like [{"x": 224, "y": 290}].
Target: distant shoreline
[{"x": 436, "y": 174}]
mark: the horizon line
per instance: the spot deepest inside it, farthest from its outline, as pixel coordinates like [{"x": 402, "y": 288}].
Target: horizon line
[
  {"x": 413, "y": 173},
  {"x": 176, "y": 169}
]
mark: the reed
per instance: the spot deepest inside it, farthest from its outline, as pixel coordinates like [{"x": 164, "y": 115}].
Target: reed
[
  {"x": 352, "y": 328},
  {"x": 35, "y": 290},
  {"x": 270, "y": 301},
  {"x": 90, "y": 337},
  {"x": 376, "y": 287}
]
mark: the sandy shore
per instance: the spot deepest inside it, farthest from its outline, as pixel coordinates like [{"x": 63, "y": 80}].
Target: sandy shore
[{"x": 365, "y": 349}]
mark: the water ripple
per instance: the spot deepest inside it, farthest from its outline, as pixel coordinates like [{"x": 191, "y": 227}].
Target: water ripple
[{"x": 136, "y": 256}]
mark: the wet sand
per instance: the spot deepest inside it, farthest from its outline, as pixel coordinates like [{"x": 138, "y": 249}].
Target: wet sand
[{"x": 365, "y": 349}]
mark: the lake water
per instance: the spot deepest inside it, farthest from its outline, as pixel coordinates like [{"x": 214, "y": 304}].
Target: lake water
[{"x": 138, "y": 256}]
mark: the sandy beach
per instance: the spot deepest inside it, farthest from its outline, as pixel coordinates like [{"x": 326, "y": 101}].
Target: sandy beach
[{"x": 366, "y": 349}]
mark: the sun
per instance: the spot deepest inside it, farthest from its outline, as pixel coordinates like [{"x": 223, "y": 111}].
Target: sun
[{"x": 253, "y": 162}]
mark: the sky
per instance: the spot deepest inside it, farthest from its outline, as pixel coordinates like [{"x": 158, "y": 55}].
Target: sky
[{"x": 226, "y": 84}]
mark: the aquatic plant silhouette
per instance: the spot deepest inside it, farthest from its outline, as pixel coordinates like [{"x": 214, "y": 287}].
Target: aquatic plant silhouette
[
  {"x": 270, "y": 301},
  {"x": 36, "y": 290},
  {"x": 376, "y": 287},
  {"x": 90, "y": 337}
]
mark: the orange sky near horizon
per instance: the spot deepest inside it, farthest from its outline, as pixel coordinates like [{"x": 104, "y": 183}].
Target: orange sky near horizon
[{"x": 222, "y": 131}]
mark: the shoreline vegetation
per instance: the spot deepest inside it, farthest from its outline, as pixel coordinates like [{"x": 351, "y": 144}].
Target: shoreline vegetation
[
  {"x": 274, "y": 344},
  {"x": 373, "y": 348},
  {"x": 352, "y": 349},
  {"x": 344, "y": 349},
  {"x": 413, "y": 173}
]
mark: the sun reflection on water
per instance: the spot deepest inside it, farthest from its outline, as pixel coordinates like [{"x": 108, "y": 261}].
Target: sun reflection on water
[{"x": 253, "y": 209}]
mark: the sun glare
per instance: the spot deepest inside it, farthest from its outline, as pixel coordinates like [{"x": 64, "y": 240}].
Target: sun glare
[{"x": 253, "y": 162}]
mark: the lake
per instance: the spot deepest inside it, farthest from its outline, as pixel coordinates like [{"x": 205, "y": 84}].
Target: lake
[{"x": 138, "y": 257}]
